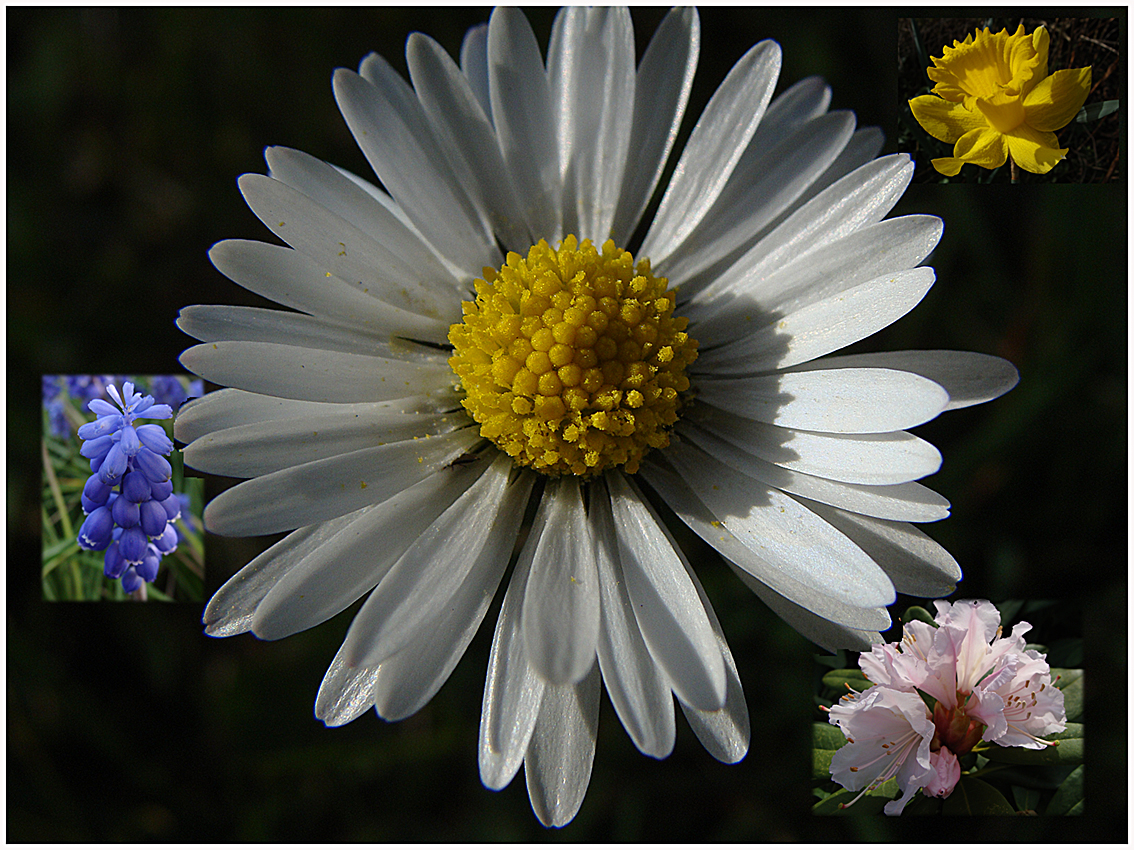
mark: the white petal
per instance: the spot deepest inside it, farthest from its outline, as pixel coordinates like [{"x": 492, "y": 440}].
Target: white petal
[
  {"x": 345, "y": 692},
  {"x": 230, "y": 610},
  {"x": 909, "y": 502},
  {"x": 353, "y": 561},
  {"x": 229, "y": 408},
  {"x": 863, "y": 147},
  {"x": 764, "y": 183},
  {"x": 213, "y": 323},
  {"x": 466, "y": 133},
  {"x": 512, "y": 690},
  {"x": 878, "y": 249},
  {"x": 796, "y": 105},
  {"x": 803, "y": 589},
  {"x": 561, "y": 601},
  {"x": 725, "y": 733},
  {"x": 890, "y": 458},
  {"x": 247, "y": 451},
  {"x": 661, "y": 90},
  {"x": 590, "y": 69},
  {"x": 815, "y": 627},
  {"x": 801, "y": 546},
  {"x": 366, "y": 207},
  {"x": 340, "y": 247},
  {"x": 715, "y": 146},
  {"x": 969, "y": 378},
  {"x": 854, "y": 201},
  {"x": 839, "y": 401},
  {"x": 761, "y": 340},
  {"x": 474, "y": 65},
  {"x": 293, "y": 280},
  {"x": 409, "y": 679},
  {"x": 918, "y": 565},
  {"x": 481, "y": 523},
  {"x": 309, "y": 374},
  {"x": 669, "y": 611},
  {"x": 523, "y": 114},
  {"x": 323, "y": 489},
  {"x": 558, "y": 762},
  {"x": 639, "y": 692},
  {"x": 390, "y": 126}
]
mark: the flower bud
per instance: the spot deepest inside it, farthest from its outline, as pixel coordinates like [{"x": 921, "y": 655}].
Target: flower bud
[
  {"x": 113, "y": 562},
  {"x": 132, "y": 544},
  {"x": 153, "y": 518},
  {"x": 135, "y": 486},
  {"x": 154, "y": 438},
  {"x": 131, "y": 580},
  {"x": 160, "y": 491},
  {"x": 95, "y": 494},
  {"x": 96, "y": 529},
  {"x": 148, "y": 569},
  {"x": 114, "y": 465},
  {"x": 125, "y": 513},
  {"x": 155, "y": 467}
]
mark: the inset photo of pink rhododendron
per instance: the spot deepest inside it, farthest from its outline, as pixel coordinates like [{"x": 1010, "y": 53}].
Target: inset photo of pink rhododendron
[{"x": 960, "y": 715}]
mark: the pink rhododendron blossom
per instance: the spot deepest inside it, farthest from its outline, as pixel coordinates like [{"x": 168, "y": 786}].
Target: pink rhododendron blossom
[
  {"x": 946, "y": 774},
  {"x": 1020, "y": 704},
  {"x": 938, "y": 693},
  {"x": 889, "y": 733}
]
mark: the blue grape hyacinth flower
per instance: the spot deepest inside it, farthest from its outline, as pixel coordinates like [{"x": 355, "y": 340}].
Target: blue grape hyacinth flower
[{"x": 129, "y": 501}]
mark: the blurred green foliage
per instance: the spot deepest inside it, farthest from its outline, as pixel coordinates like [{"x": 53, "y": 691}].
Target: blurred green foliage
[{"x": 127, "y": 130}]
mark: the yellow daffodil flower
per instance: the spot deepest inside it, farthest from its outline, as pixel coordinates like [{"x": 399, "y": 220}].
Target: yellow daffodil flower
[{"x": 993, "y": 98}]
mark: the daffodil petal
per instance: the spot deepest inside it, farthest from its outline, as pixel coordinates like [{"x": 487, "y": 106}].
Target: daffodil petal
[
  {"x": 985, "y": 148},
  {"x": 949, "y": 166},
  {"x": 1033, "y": 150},
  {"x": 1055, "y": 101},
  {"x": 943, "y": 120}
]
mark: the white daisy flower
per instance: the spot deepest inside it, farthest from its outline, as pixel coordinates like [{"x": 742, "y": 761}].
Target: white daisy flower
[{"x": 472, "y": 341}]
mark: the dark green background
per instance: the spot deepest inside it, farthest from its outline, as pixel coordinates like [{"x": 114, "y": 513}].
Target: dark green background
[{"x": 127, "y": 130}]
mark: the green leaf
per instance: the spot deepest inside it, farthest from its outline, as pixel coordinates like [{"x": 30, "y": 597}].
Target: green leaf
[
  {"x": 1068, "y": 799},
  {"x": 1071, "y": 683},
  {"x": 916, "y": 612},
  {"x": 1068, "y": 751},
  {"x": 974, "y": 796},
  {"x": 1095, "y": 111},
  {"x": 1009, "y": 611},
  {"x": 1026, "y": 798},
  {"x": 839, "y": 659},
  {"x": 919, "y": 48},
  {"x": 840, "y": 679},
  {"x": 871, "y": 803},
  {"x": 825, "y": 741}
]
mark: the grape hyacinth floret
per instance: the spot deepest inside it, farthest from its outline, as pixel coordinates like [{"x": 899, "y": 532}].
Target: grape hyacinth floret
[{"x": 128, "y": 500}]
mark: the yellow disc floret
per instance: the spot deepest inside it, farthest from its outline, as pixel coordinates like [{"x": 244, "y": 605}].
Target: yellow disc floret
[{"x": 572, "y": 360}]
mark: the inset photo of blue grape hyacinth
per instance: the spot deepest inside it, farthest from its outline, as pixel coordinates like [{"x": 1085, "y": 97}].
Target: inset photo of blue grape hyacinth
[{"x": 140, "y": 533}]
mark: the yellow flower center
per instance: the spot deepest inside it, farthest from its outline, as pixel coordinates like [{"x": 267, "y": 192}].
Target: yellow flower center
[{"x": 572, "y": 360}]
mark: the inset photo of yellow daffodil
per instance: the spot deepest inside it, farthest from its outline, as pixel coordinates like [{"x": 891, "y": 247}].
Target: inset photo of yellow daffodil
[{"x": 1011, "y": 100}]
